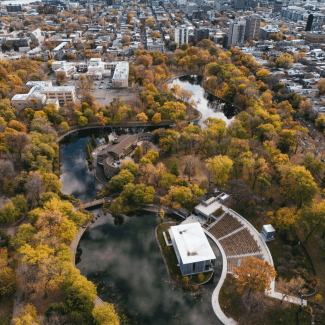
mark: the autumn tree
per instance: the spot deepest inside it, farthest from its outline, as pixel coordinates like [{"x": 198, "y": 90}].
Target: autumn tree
[
  {"x": 156, "y": 118},
  {"x": 117, "y": 182},
  {"x": 284, "y": 220},
  {"x": 284, "y": 61},
  {"x": 312, "y": 219},
  {"x": 298, "y": 184},
  {"x": 61, "y": 76},
  {"x": 104, "y": 314},
  {"x": 254, "y": 275},
  {"x": 220, "y": 167},
  {"x": 8, "y": 277},
  {"x": 174, "y": 167},
  {"x": 138, "y": 153}
]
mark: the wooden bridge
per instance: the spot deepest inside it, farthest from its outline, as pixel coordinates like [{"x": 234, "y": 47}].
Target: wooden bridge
[{"x": 94, "y": 203}]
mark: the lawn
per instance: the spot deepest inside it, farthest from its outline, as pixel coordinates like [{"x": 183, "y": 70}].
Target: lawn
[
  {"x": 218, "y": 212},
  {"x": 276, "y": 313},
  {"x": 207, "y": 276},
  {"x": 6, "y": 307}
]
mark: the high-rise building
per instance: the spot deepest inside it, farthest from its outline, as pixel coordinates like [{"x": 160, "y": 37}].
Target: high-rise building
[
  {"x": 109, "y": 2},
  {"x": 278, "y": 4},
  {"x": 236, "y": 33},
  {"x": 201, "y": 33},
  {"x": 181, "y": 35},
  {"x": 314, "y": 22},
  {"x": 252, "y": 27},
  {"x": 239, "y": 4}
]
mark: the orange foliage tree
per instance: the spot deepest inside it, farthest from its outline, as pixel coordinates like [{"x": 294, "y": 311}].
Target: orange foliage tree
[{"x": 254, "y": 275}]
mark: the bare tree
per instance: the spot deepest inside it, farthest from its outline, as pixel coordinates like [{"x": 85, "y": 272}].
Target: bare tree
[
  {"x": 145, "y": 146},
  {"x": 35, "y": 187},
  {"x": 191, "y": 164},
  {"x": 6, "y": 169},
  {"x": 257, "y": 304},
  {"x": 18, "y": 141},
  {"x": 295, "y": 287}
]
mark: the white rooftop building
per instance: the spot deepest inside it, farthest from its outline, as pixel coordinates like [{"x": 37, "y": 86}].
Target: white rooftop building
[
  {"x": 121, "y": 75},
  {"x": 41, "y": 94},
  {"x": 192, "y": 249}
]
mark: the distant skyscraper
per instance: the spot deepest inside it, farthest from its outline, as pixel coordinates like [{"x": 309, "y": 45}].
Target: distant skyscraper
[
  {"x": 252, "y": 27},
  {"x": 239, "y": 4},
  {"x": 236, "y": 33},
  {"x": 181, "y": 35},
  {"x": 314, "y": 22},
  {"x": 278, "y": 4}
]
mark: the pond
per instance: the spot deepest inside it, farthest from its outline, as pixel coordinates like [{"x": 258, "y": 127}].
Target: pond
[
  {"x": 75, "y": 175},
  {"x": 79, "y": 180},
  {"x": 122, "y": 253},
  {"x": 122, "y": 257},
  {"x": 209, "y": 105}
]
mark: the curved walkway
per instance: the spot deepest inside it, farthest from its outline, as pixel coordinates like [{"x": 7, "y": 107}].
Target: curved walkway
[
  {"x": 215, "y": 295},
  {"x": 226, "y": 257}
]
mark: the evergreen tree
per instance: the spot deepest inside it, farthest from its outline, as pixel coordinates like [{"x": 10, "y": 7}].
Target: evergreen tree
[
  {"x": 138, "y": 153},
  {"x": 106, "y": 137},
  {"x": 88, "y": 150},
  {"x": 174, "y": 167},
  {"x": 93, "y": 141}
]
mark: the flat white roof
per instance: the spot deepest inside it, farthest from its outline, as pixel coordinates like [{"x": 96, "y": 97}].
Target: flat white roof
[
  {"x": 192, "y": 244},
  {"x": 207, "y": 210},
  {"x": 269, "y": 228}
]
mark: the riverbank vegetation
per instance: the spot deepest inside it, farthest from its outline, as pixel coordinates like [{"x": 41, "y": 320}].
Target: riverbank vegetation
[{"x": 36, "y": 256}]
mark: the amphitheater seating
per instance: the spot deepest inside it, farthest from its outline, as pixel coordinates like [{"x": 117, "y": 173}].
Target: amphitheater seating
[
  {"x": 241, "y": 242},
  {"x": 233, "y": 261},
  {"x": 224, "y": 226}
]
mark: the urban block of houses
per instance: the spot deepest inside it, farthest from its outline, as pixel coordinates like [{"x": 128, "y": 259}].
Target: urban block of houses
[
  {"x": 192, "y": 249},
  {"x": 41, "y": 94},
  {"x": 120, "y": 148},
  {"x": 97, "y": 69}
]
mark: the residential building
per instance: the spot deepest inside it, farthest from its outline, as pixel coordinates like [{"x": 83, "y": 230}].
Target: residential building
[
  {"x": 156, "y": 46},
  {"x": 37, "y": 36},
  {"x": 252, "y": 27},
  {"x": 181, "y": 35},
  {"x": 236, "y": 33},
  {"x": 239, "y": 4},
  {"x": 201, "y": 33},
  {"x": 121, "y": 75},
  {"x": 293, "y": 13},
  {"x": 277, "y": 6},
  {"x": 192, "y": 249},
  {"x": 315, "y": 37},
  {"x": 191, "y": 7},
  {"x": 267, "y": 30},
  {"x": 41, "y": 93}
]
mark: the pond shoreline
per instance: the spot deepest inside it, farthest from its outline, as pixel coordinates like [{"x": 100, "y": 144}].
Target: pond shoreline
[{"x": 210, "y": 93}]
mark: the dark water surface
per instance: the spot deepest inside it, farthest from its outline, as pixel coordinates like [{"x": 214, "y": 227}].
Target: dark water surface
[{"x": 123, "y": 258}]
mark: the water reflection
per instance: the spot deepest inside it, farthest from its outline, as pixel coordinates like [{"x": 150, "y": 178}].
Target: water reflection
[
  {"x": 207, "y": 104},
  {"x": 126, "y": 263}
]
